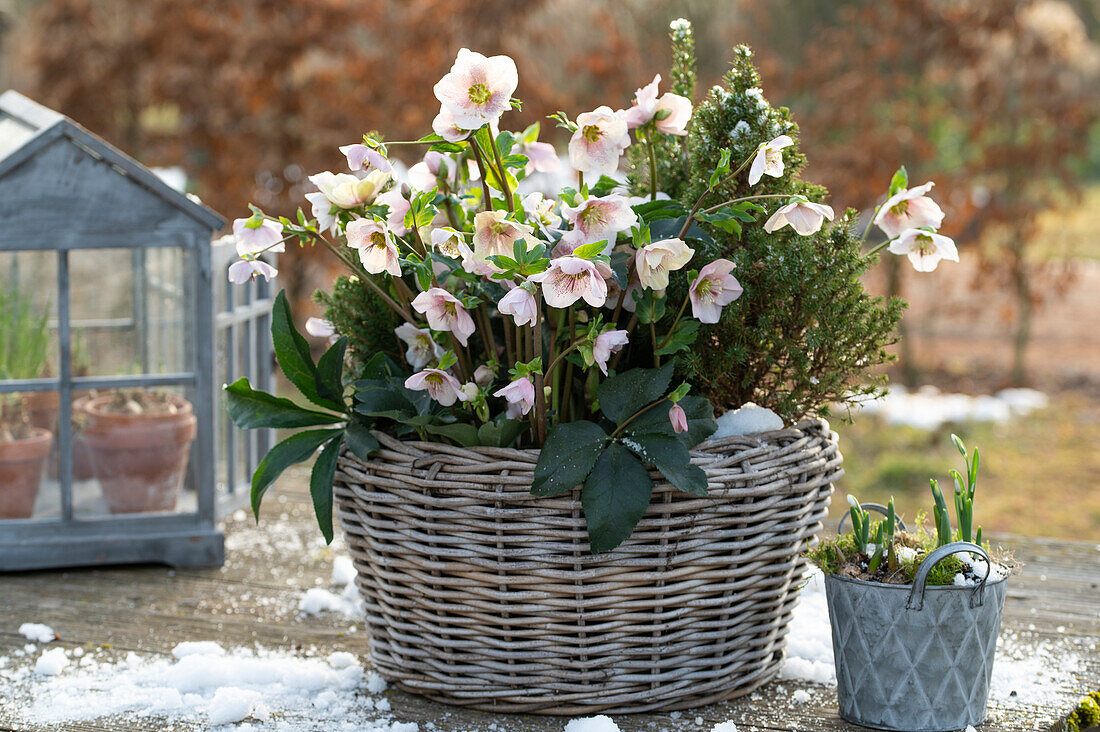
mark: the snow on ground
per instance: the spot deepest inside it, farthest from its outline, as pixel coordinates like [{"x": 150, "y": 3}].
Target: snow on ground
[
  {"x": 37, "y": 632},
  {"x": 202, "y": 683},
  {"x": 347, "y": 602},
  {"x": 1023, "y": 673},
  {"x": 929, "y": 408}
]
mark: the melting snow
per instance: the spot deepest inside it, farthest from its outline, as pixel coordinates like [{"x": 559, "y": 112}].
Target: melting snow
[
  {"x": 929, "y": 408},
  {"x": 37, "y": 632},
  {"x": 202, "y": 683}
]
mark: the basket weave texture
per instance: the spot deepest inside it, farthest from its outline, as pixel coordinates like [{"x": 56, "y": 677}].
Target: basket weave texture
[{"x": 482, "y": 595}]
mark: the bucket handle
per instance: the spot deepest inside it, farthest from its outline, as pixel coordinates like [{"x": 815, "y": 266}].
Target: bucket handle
[
  {"x": 916, "y": 596},
  {"x": 874, "y": 507}
]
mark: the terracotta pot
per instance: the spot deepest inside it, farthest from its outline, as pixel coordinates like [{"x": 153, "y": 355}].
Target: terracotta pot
[
  {"x": 139, "y": 459},
  {"x": 21, "y": 465},
  {"x": 42, "y": 409}
]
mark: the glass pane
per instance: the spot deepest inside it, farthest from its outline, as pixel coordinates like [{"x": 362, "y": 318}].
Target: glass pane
[
  {"x": 28, "y": 315},
  {"x": 28, "y": 455},
  {"x": 131, "y": 311},
  {"x": 132, "y": 452}
]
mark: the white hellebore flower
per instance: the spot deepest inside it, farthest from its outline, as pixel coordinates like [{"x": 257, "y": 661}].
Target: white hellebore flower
[
  {"x": 924, "y": 248},
  {"x": 440, "y": 386},
  {"x": 599, "y": 142},
  {"x": 268, "y": 237},
  {"x": 540, "y": 208},
  {"x": 423, "y": 349},
  {"x": 654, "y": 262},
  {"x": 495, "y": 233},
  {"x": 345, "y": 190},
  {"x": 320, "y": 328},
  {"x": 520, "y": 304},
  {"x": 376, "y": 248},
  {"x": 909, "y": 208},
  {"x": 446, "y": 241},
  {"x": 444, "y": 126},
  {"x": 359, "y": 154},
  {"x": 598, "y": 219},
  {"x": 247, "y": 269},
  {"x": 570, "y": 278},
  {"x": 769, "y": 159},
  {"x": 477, "y": 90},
  {"x": 647, "y": 106},
  {"x": 805, "y": 217}
]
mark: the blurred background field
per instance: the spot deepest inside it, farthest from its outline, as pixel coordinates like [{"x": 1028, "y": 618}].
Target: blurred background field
[{"x": 995, "y": 100}]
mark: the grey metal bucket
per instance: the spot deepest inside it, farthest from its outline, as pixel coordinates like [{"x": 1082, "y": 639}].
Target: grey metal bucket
[{"x": 915, "y": 658}]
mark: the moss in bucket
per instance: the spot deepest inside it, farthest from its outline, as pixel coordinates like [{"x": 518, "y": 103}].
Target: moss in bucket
[{"x": 879, "y": 551}]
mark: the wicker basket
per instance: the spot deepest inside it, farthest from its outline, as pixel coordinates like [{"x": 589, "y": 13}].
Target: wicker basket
[{"x": 482, "y": 595}]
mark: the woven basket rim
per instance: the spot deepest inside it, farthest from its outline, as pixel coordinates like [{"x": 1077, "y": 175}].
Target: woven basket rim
[{"x": 708, "y": 447}]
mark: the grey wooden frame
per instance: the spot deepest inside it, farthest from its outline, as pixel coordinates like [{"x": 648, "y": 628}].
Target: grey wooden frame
[{"x": 144, "y": 213}]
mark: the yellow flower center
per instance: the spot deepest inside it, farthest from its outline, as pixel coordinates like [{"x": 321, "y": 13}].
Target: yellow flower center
[
  {"x": 591, "y": 133},
  {"x": 593, "y": 217},
  {"x": 925, "y": 245},
  {"x": 707, "y": 290},
  {"x": 479, "y": 93},
  {"x": 901, "y": 208},
  {"x": 378, "y": 240}
]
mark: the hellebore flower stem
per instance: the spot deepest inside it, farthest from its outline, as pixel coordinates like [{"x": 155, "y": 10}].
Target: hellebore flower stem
[
  {"x": 637, "y": 414},
  {"x": 652, "y": 168},
  {"x": 867, "y": 231},
  {"x": 630, "y": 331},
  {"x": 878, "y": 247},
  {"x": 481, "y": 169},
  {"x": 714, "y": 208},
  {"x": 502, "y": 176},
  {"x": 487, "y": 331},
  {"x": 540, "y": 392},
  {"x": 366, "y": 277},
  {"x": 708, "y": 191},
  {"x": 679, "y": 314}
]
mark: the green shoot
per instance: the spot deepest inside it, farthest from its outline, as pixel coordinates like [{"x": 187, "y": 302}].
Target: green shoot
[{"x": 939, "y": 514}]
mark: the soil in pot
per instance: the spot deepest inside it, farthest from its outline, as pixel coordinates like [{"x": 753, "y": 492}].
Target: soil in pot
[
  {"x": 22, "y": 461},
  {"x": 139, "y": 444}
]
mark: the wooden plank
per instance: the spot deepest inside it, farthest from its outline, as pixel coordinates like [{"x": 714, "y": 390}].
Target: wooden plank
[{"x": 252, "y": 601}]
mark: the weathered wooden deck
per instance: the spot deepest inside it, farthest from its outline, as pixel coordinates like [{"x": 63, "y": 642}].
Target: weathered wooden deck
[{"x": 253, "y": 599}]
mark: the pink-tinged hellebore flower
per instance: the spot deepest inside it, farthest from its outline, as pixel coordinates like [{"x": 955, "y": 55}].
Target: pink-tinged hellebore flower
[
  {"x": 607, "y": 343},
  {"x": 494, "y": 233},
  {"x": 679, "y": 419},
  {"x": 422, "y": 348},
  {"x": 654, "y": 261},
  {"x": 446, "y": 241},
  {"x": 440, "y": 386},
  {"x": 345, "y": 190},
  {"x": 598, "y": 143},
  {"x": 360, "y": 153},
  {"x": 398, "y": 206},
  {"x": 477, "y": 90},
  {"x": 268, "y": 237},
  {"x": 376, "y": 248},
  {"x": 570, "y": 278},
  {"x": 520, "y": 395},
  {"x": 520, "y": 304},
  {"x": 805, "y": 217},
  {"x": 541, "y": 157},
  {"x": 909, "y": 208},
  {"x": 483, "y": 376},
  {"x": 247, "y": 269},
  {"x": 322, "y": 211},
  {"x": 424, "y": 176},
  {"x": 444, "y": 126},
  {"x": 769, "y": 159},
  {"x": 712, "y": 290},
  {"x": 444, "y": 312},
  {"x": 599, "y": 219},
  {"x": 647, "y": 106},
  {"x": 320, "y": 328},
  {"x": 540, "y": 209},
  {"x": 924, "y": 248}
]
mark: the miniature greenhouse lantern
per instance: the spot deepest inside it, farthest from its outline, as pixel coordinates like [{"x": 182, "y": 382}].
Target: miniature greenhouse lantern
[{"x": 107, "y": 356}]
